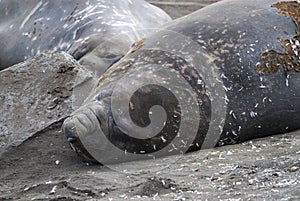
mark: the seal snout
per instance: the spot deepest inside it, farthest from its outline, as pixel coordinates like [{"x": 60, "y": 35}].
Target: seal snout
[
  {"x": 70, "y": 131},
  {"x": 83, "y": 124}
]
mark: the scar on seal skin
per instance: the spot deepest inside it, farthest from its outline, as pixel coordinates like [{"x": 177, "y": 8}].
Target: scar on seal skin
[
  {"x": 138, "y": 45},
  {"x": 289, "y": 60}
]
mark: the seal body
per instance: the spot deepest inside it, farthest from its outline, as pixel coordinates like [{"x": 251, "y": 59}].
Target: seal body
[
  {"x": 216, "y": 54},
  {"x": 104, "y": 29}
]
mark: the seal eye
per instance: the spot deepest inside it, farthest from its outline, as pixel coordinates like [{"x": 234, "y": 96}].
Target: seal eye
[
  {"x": 112, "y": 59},
  {"x": 113, "y": 56}
]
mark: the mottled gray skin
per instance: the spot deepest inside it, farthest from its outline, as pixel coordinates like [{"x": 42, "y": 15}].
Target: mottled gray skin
[
  {"x": 96, "y": 32},
  {"x": 232, "y": 35}
]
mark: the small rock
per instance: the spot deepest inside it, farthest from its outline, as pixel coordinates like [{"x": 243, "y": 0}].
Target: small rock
[
  {"x": 294, "y": 169},
  {"x": 53, "y": 190}
]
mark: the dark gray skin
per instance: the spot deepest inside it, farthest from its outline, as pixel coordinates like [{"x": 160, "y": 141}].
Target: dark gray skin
[
  {"x": 218, "y": 49},
  {"x": 97, "y": 33}
]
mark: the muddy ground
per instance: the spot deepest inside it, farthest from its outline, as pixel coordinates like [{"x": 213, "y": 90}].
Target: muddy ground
[{"x": 45, "y": 168}]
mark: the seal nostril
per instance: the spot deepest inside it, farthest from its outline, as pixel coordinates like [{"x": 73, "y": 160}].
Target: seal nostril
[
  {"x": 96, "y": 114},
  {"x": 69, "y": 129}
]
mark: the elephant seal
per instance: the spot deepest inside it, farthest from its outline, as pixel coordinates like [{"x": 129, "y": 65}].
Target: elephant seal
[
  {"x": 93, "y": 32},
  {"x": 192, "y": 85}
]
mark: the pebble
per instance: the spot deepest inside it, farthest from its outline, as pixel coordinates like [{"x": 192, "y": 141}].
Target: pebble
[{"x": 294, "y": 169}]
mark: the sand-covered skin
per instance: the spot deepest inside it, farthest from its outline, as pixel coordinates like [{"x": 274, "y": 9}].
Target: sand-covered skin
[
  {"x": 290, "y": 59},
  {"x": 45, "y": 168}
]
